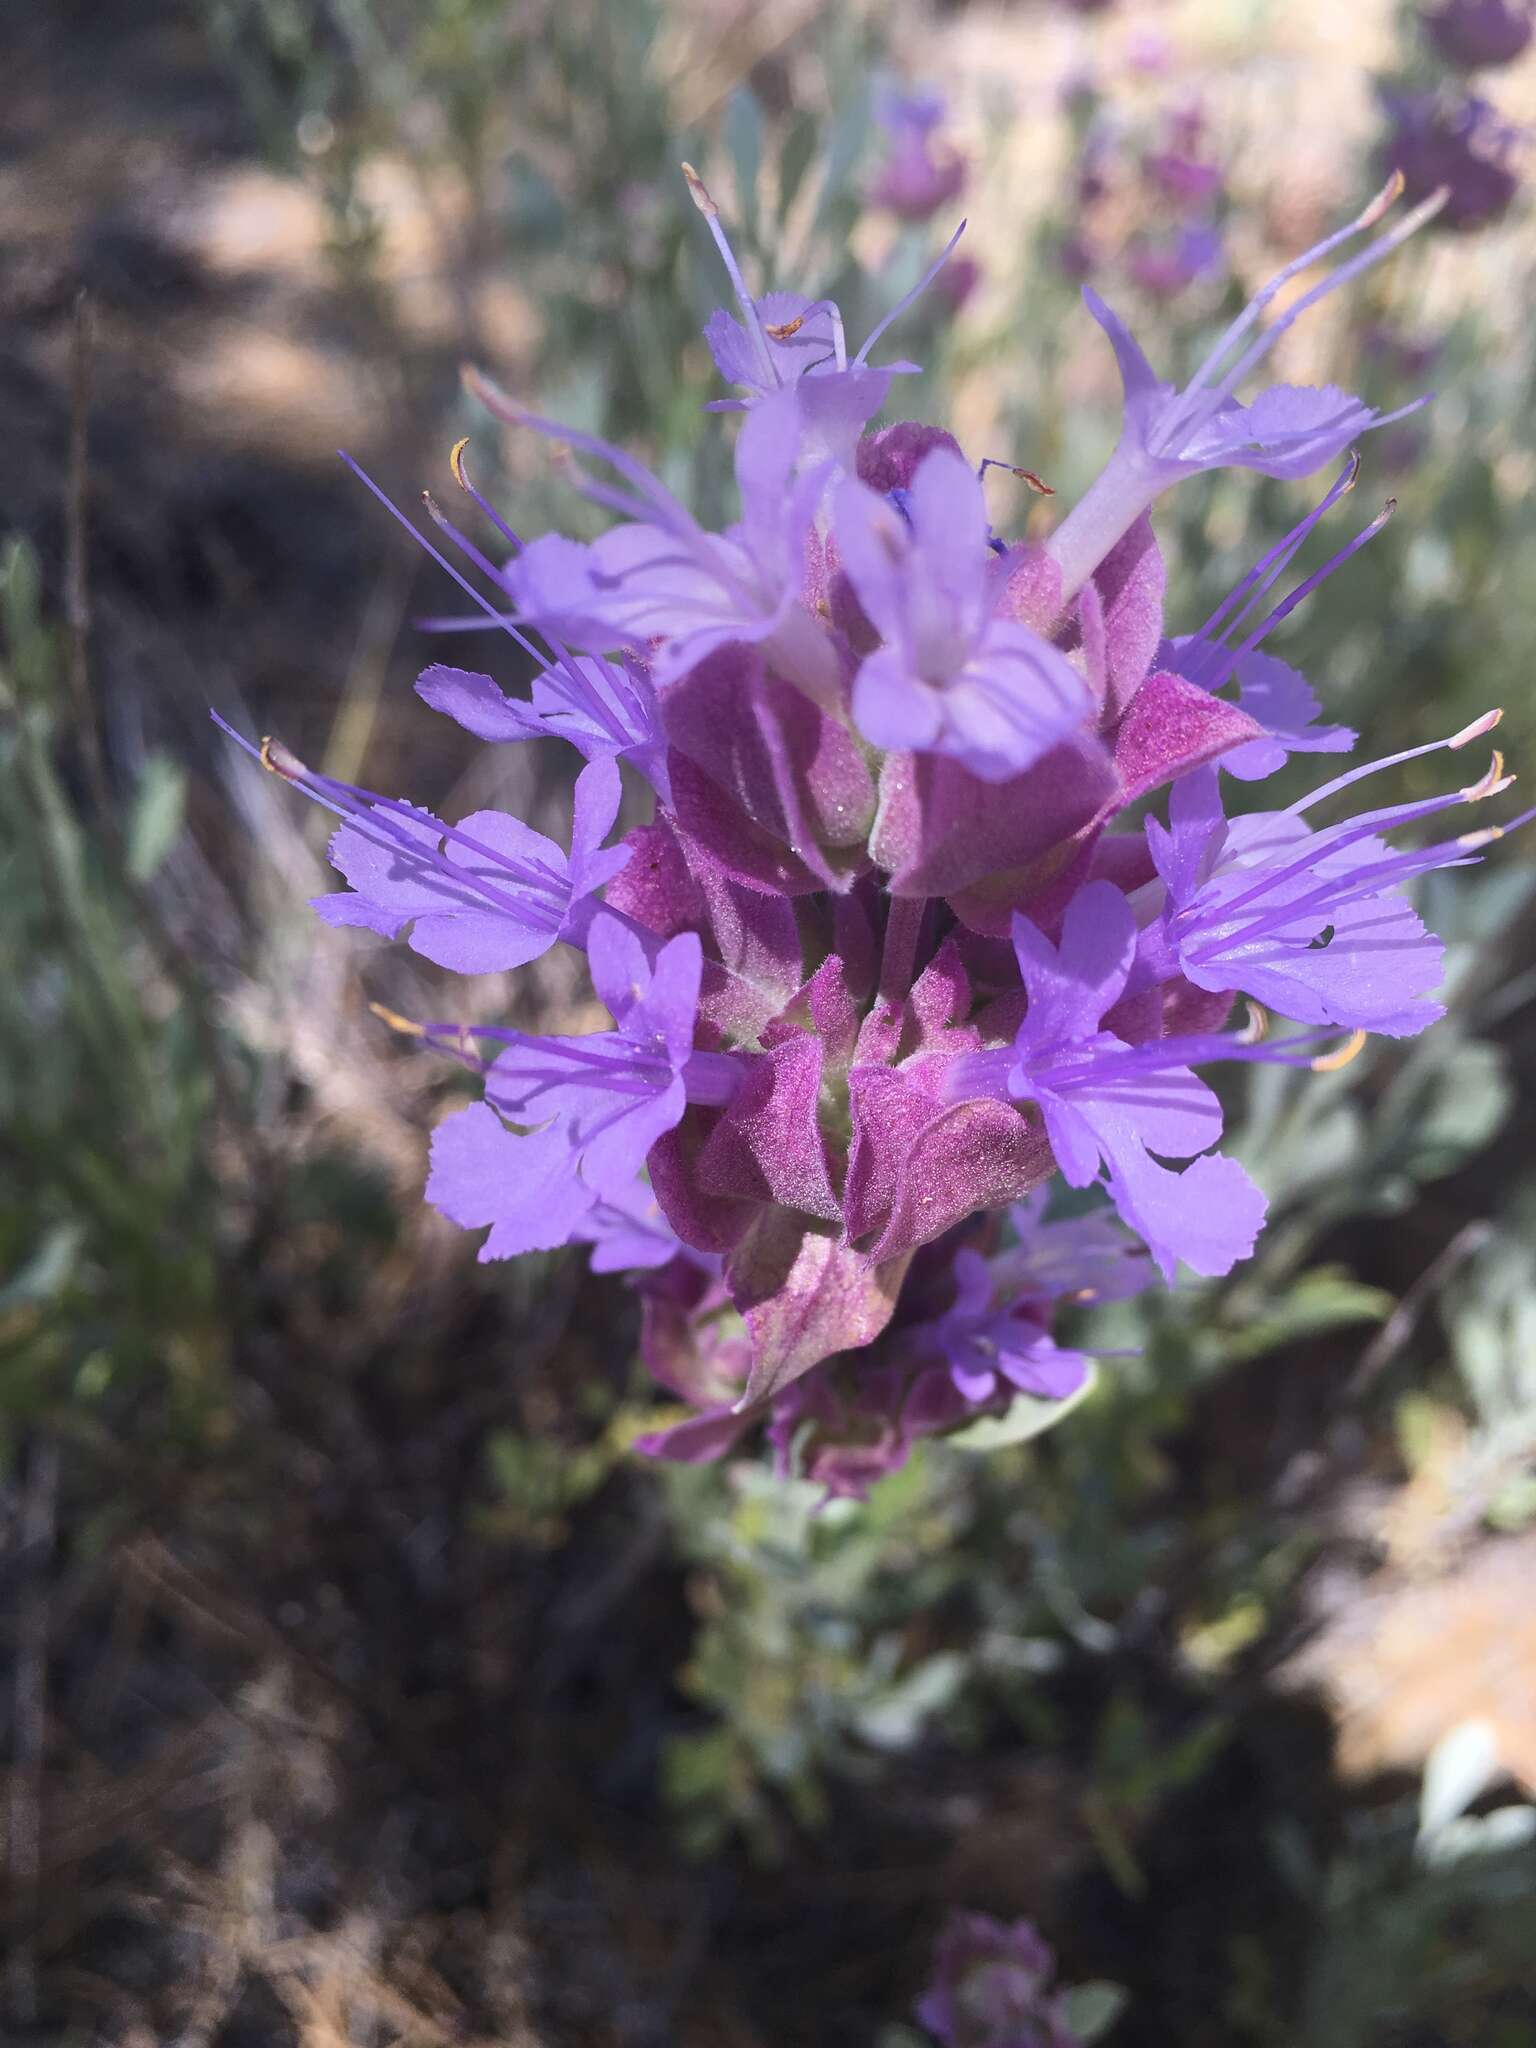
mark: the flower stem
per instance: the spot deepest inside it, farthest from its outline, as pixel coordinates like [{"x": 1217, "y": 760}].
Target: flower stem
[{"x": 1124, "y": 488}]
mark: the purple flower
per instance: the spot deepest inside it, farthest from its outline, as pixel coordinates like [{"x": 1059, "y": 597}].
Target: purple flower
[
  {"x": 1473, "y": 34},
  {"x": 1288, "y": 430},
  {"x": 992, "y": 1987},
  {"x": 1460, "y": 147},
  {"x": 800, "y": 338},
  {"x": 1178, "y": 168},
  {"x": 660, "y": 577},
  {"x": 1188, "y": 180},
  {"x": 1280, "y": 699},
  {"x": 616, "y": 1092},
  {"x": 522, "y": 1186},
  {"x": 1311, "y": 923},
  {"x": 485, "y": 894},
  {"x": 989, "y": 1348},
  {"x": 785, "y": 339},
  {"x": 1164, "y": 265},
  {"x": 914, "y": 182},
  {"x": 1077, "y": 256},
  {"x": 952, "y": 677},
  {"x": 1078, "y": 1259},
  {"x": 605, "y": 709},
  {"x": 1108, "y": 1106},
  {"x": 849, "y": 1425},
  {"x": 627, "y": 1231},
  {"x": 602, "y": 1101}
]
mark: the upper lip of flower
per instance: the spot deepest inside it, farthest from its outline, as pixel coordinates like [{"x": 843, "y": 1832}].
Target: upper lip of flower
[
  {"x": 765, "y": 344},
  {"x": 1287, "y": 430}
]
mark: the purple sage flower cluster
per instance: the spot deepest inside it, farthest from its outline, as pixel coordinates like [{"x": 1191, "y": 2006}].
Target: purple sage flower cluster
[
  {"x": 1478, "y": 35},
  {"x": 1149, "y": 209},
  {"x": 1458, "y": 143},
  {"x": 1444, "y": 134},
  {"x": 939, "y": 902},
  {"x": 919, "y": 174},
  {"x": 993, "y": 1987}
]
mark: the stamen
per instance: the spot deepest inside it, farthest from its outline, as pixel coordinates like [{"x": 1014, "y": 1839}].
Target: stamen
[
  {"x": 786, "y": 330},
  {"x": 440, "y": 622},
  {"x": 699, "y": 193},
  {"x": 398, "y": 1023},
  {"x": 916, "y": 292},
  {"x": 495, "y": 617},
  {"x": 503, "y": 407},
  {"x": 1368, "y": 258},
  {"x": 461, "y": 477},
  {"x": 454, "y": 1041},
  {"x": 1266, "y": 571},
  {"x": 460, "y": 540},
  {"x": 1475, "y": 730},
  {"x": 1491, "y": 782},
  {"x": 1382, "y": 204},
  {"x": 1377, "y": 209},
  {"x": 1075, "y": 1066},
  {"x": 1305, "y": 588},
  {"x": 1334, "y": 891},
  {"x": 1027, "y": 476},
  {"x": 1256, "y": 1030},
  {"x": 370, "y": 814},
  {"x": 1384, "y": 201},
  {"x": 278, "y": 760},
  {"x": 1333, "y": 1062},
  {"x": 1489, "y": 833}
]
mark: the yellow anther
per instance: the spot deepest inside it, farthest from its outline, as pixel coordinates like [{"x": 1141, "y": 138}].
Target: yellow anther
[
  {"x": 279, "y": 760},
  {"x": 1384, "y": 201},
  {"x": 1037, "y": 484},
  {"x": 1256, "y": 1030},
  {"x": 396, "y": 1022},
  {"x": 1491, "y": 783},
  {"x": 1330, "y": 1062},
  {"x": 785, "y": 329},
  {"x": 456, "y": 463}
]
